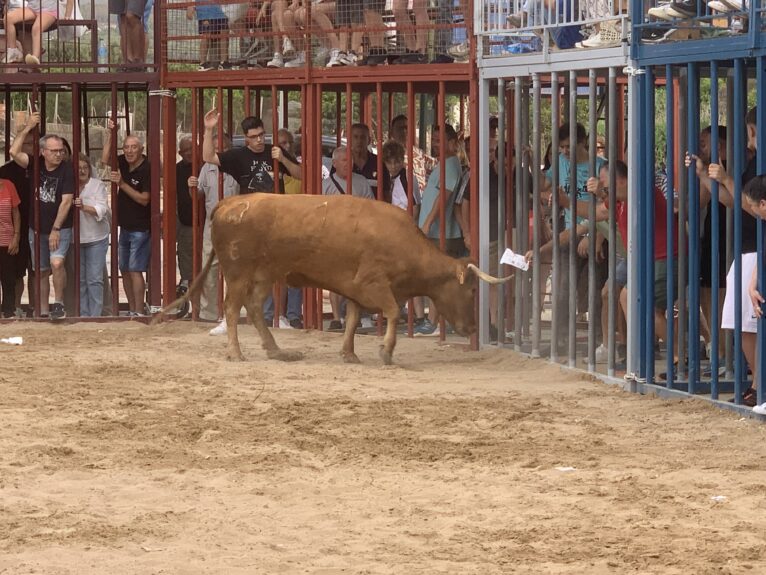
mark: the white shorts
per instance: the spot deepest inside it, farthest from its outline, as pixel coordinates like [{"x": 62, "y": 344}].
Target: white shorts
[{"x": 749, "y": 321}]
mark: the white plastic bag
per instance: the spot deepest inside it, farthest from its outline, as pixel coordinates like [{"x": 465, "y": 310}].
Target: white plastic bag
[{"x": 69, "y": 33}]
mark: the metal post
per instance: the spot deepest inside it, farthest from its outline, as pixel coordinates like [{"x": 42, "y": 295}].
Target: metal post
[
  {"x": 612, "y": 287},
  {"x": 649, "y": 159},
  {"x": 694, "y": 210},
  {"x": 518, "y": 283},
  {"x": 502, "y": 155},
  {"x": 76, "y": 147},
  {"x": 482, "y": 171},
  {"x": 760, "y": 372},
  {"x": 683, "y": 144},
  {"x": 441, "y": 121},
  {"x": 115, "y": 273},
  {"x": 740, "y": 78},
  {"x": 670, "y": 215},
  {"x": 536, "y": 137},
  {"x": 555, "y": 214},
  {"x": 593, "y": 299},
  {"x": 572, "y": 284},
  {"x": 715, "y": 224}
]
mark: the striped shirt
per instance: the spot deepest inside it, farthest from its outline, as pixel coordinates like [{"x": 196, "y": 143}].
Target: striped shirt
[{"x": 9, "y": 199}]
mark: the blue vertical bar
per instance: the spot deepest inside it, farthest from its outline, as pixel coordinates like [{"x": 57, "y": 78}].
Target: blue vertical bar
[
  {"x": 693, "y": 123},
  {"x": 761, "y": 160},
  {"x": 648, "y": 191},
  {"x": 642, "y": 231},
  {"x": 670, "y": 110},
  {"x": 739, "y": 154},
  {"x": 715, "y": 220}
]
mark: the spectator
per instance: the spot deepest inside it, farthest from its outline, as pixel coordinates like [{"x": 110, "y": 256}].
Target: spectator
[
  {"x": 395, "y": 179},
  {"x": 364, "y": 161},
  {"x": 377, "y": 53},
  {"x": 55, "y": 202},
  {"x": 207, "y": 186},
  {"x": 430, "y": 210},
  {"x": 582, "y": 171},
  {"x": 94, "y": 238},
  {"x": 336, "y": 183},
  {"x": 283, "y": 18},
  {"x": 133, "y": 178},
  {"x": 252, "y": 165},
  {"x": 10, "y": 236},
  {"x": 414, "y": 37},
  {"x": 20, "y": 178},
  {"x": 212, "y": 25},
  {"x": 348, "y": 16},
  {"x": 420, "y": 162},
  {"x": 132, "y": 43},
  {"x": 322, "y": 14},
  {"x": 292, "y": 298},
  {"x": 755, "y": 194},
  {"x": 749, "y": 256},
  {"x": 42, "y": 14},
  {"x": 184, "y": 210}
]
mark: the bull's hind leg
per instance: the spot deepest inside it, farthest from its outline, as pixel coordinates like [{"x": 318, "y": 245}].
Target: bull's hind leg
[
  {"x": 235, "y": 297},
  {"x": 391, "y": 314},
  {"x": 254, "y": 306},
  {"x": 352, "y": 318}
]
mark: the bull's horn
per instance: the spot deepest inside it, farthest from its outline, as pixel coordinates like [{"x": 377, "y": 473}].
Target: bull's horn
[{"x": 488, "y": 278}]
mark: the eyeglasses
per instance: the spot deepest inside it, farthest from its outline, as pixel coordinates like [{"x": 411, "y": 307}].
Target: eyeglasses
[
  {"x": 57, "y": 151},
  {"x": 258, "y": 136}
]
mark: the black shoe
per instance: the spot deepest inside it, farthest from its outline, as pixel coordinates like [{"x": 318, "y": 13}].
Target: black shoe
[
  {"x": 57, "y": 311},
  {"x": 685, "y": 9},
  {"x": 442, "y": 59},
  {"x": 375, "y": 57},
  {"x": 335, "y": 325},
  {"x": 411, "y": 58},
  {"x": 296, "y": 323}
]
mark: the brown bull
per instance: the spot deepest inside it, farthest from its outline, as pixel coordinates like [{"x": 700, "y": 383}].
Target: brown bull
[{"x": 370, "y": 252}]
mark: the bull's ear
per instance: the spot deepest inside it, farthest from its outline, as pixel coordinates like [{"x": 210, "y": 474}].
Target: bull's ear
[{"x": 460, "y": 273}]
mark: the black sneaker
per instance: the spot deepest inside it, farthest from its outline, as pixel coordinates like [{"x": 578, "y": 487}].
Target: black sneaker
[
  {"x": 57, "y": 311},
  {"x": 335, "y": 325},
  {"x": 442, "y": 59},
  {"x": 375, "y": 57},
  {"x": 411, "y": 58},
  {"x": 686, "y": 9},
  {"x": 296, "y": 323}
]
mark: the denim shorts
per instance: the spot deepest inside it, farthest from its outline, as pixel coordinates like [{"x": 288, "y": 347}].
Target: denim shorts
[
  {"x": 135, "y": 249},
  {"x": 65, "y": 238}
]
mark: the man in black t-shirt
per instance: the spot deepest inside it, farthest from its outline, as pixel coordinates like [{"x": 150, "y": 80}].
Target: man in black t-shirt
[
  {"x": 184, "y": 229},
  {"x": 133, "y": 178},
  {"x": 54, "y": 199},
  {"x": 252, "y": 165},
  {"x": 20, "y": 177}
]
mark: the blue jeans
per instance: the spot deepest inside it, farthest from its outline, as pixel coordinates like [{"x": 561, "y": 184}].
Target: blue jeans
[
  {"x": 92, "y": 260},
  {"x": 294, "y": 305},
  {"x": 134, "y": 250}
]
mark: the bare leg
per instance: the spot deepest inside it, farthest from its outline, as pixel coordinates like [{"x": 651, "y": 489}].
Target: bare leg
[
  {"x": 137, "y": 288},
  {"x": 42, "y": 23},
  {"x": 375, "y": 20},
  {"x": 352, "y": 318},
  {"x": 749, "y": 341},
  {"x": 59, "y": 279},
  {"x": 127, "y": 284},
  {"x": 45, "y": 291}
]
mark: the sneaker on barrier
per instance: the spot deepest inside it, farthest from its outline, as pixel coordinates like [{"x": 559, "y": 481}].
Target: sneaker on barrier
[
  {"x": 220, "y": 329},
  {"x": 760, "y": 409},
  {"x": 335, "y": 325},
  {"x": 287, "y": 48},
  {"x": 336, "y": 58},
  {"x": 276, "y": 62},
  {"x": 298, "y": 62}
]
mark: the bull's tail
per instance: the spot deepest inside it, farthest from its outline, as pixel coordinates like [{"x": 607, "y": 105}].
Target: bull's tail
[{"x": 194, "y": 289}]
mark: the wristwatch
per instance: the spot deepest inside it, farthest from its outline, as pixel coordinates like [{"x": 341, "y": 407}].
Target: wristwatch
[{"x": 56, "y": 229}]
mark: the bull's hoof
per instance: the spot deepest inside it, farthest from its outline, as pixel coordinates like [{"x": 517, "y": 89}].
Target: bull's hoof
[
  {"x": 350, "y": 357},
  {"x": 388, "y": 358},
  {"x": 284, "y": 355},
  {"x": 235, "y": 356}
]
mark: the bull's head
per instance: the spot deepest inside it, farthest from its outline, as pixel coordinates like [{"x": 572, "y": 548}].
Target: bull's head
[{"x": 457, "y": 296}]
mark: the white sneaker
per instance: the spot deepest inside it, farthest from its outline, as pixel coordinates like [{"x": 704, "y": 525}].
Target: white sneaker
[
  {"x": 220, "y": 329},
  {"x": 367, "y": 323},
  {"x": 459, "y": 51},
  {"x": 283, "y": 323},
  {"x": 298, "y": 62},
  {"x": 276, "y": 62},
  {"x": 14, "y": 55},
  {"x": 661, "y": 12},
  {"x": 760, "y": 409},
  {"x": 349, "y": 58},
  {"x": 336, "y": 58},
  {"x": 287, "y": 48},
  {"x": 602, "y": 354}
]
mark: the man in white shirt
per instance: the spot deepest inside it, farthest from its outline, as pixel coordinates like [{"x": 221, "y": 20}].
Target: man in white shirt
[{"x": 336, "y": 184}]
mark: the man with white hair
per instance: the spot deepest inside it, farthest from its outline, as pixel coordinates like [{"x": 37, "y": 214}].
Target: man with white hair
[{"x": 336, "y": 183}]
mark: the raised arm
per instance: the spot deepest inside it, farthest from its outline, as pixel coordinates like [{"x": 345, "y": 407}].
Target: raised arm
[
  {"x": 22, "y": 158},
  {"x": 208, "y": 147}
]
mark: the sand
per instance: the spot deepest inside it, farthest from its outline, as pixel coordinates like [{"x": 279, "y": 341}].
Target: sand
[{"x": 128, "y": 449}]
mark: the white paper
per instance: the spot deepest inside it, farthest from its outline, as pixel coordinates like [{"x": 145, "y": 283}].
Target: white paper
[
  {"x": 515, "y": 260},
  {"x": 565, "y": 469},
  {"x": 12, "y": 340}
]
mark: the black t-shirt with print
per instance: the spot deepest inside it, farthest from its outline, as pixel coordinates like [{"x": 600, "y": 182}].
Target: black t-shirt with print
[
  {"x": 131, "y": 215},
  {"x": 54, "y": 184},
  {"x": 252, "y": 170}
]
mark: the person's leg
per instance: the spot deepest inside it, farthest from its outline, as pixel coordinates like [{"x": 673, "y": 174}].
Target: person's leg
[
  {"x": 44, "y": 21},
  {"x": 127, "y": 286},
  {"x": 134, "y": 37},
  {"x": 322, "y": 14},
  {"x": 84, "y": 291},
  {"x": 94, "y": 276},
  {"x": 294, "y": 303},
  {"x": 19, "y": 291},
  {"x": 184, "y": 247},
  {"x": 7, "y": 282}
]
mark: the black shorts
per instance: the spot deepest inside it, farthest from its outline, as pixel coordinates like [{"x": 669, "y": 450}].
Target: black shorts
[{"x": 213, "y": 26}]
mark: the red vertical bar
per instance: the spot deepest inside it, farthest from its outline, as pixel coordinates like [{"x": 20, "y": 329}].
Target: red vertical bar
[
  {"x": 247, "y": 102},
  {"x": 114, "y": 269},
  {"x": 168, "y": 201},
  {"x": 76, "y": 147},
  {"x": 8, "y": 108},
  {"x": 229, "y": 110},
  {"x": 258, "y": 102},
  {"x": 194, "y": 197},
  {"x": 36, "y": 204},
  {"x": 126, "y": 105},
  {"x": 154, "y": 279},
  {"x": 461, "y": 128},
  {"x": 391, "y": 109},
  {"x": 338, "y": 116},
  {"x": 473, "y": 120},
  {"x": 510, "y": 183},
  {"x": 441, "y": 118},
  {"x": 317, "y": 177},
  {"x": 349, "y": 121},
  {"x": 410, "y": 179},
  {"x": 379, "y": 143},
  {"x": 277, "y": 290},
  {"x": 285, "y": 103}
]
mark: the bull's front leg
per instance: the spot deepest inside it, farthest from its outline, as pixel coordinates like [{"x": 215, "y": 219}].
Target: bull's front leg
[
  {"x": 255, "y": 313},
  {"x": 352, "y": 318},
  {"x": 389, "y": 339}
]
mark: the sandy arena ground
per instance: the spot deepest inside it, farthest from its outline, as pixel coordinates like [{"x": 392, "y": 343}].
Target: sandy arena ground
[{"x": 126, "y": 449}]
